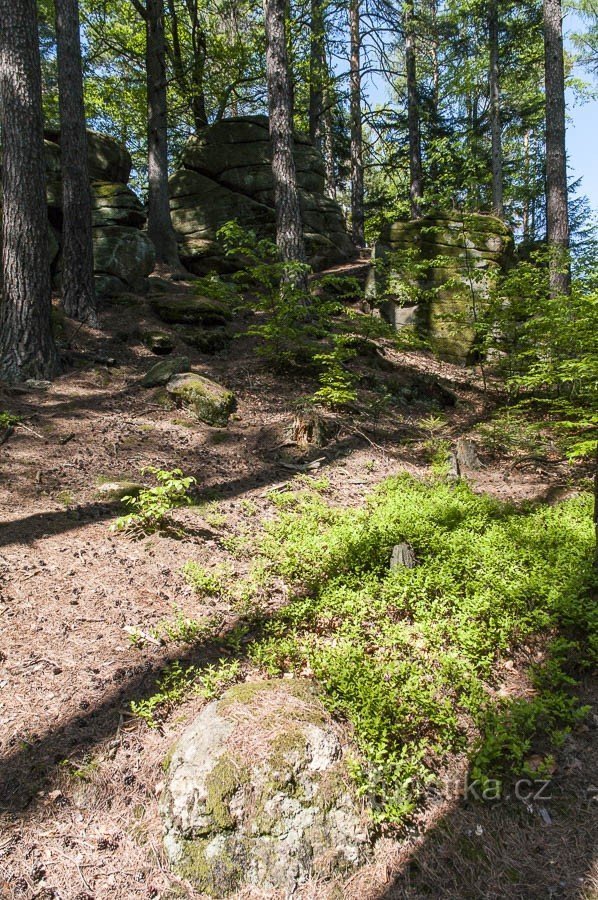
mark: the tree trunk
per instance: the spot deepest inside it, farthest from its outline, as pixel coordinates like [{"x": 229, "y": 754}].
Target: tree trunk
[
  {"x": 357, "y": 190},
  {"x": 415, "y": 153},
  {"x": 159, "y": 223},
  {"x": 26, "y": 344},
  {"x": 557, "y": 211},
  {"x": 289, "y": 229},
  {"x": 78, "y": 291},
  {"x": 495, "y": 125},
  {"x": 328, "y": 147},
  {"x": 317, "y": 72}
]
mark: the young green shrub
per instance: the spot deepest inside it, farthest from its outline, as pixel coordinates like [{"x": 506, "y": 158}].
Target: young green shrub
[{"x": 151, "y": 506}]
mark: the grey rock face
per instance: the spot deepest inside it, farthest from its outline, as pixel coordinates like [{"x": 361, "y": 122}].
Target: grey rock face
[
  {"x": 226, "y": 174},
  {"x": 161, "y": 372},
  {"x": 123, "y": 254},
  {"x": 257, "y": 793},
  {"x": 462, "y": 252}
]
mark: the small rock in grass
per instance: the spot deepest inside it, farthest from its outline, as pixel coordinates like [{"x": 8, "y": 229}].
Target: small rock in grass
[
  {"x": 211, "y": 402},
  {"x": 161, "y": 372}
]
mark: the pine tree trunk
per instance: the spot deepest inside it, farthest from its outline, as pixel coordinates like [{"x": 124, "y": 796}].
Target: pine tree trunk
[
  {"x": 26, "y": 344},
  {"x": 328, "y": 147},
  {"x": 159, "y": 224},
  {"x": 78, "y": 291},
  {"x": 317, "y": 73},
  {"x": 357, "y": 189},
  {"x": 495, "y": 124},
  {"x": 289, "y": 229},
  {"x": 415, "y": 153},
  {"x": 557, "y": 211}
]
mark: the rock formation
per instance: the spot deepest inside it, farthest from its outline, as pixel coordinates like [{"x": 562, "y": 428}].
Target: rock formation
[
  {"x": 123, "y": 253},
  {"x": 226, "y": 174},
  {"x": 458, "y": 252},
  {"x": 258, "y": 793}
]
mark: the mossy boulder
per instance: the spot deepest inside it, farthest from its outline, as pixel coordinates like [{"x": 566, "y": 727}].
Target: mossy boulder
[
  {"x": 161, "y": 372},
  {"x": 211, "y": 402},
  {"x": 206, "y": 340},
  {"x": 159, "y": 342},
  {"x": 116, "y": 204},
  {"x": 458, "y": 255},
  {"x": 227, "y": 174},
  {"x": 258, "y": 794},
  {"x": 189, "y": 310}
]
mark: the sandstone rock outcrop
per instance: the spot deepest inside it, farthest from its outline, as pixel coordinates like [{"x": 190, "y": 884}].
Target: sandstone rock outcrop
[
  {"x": 459, "y": 253},
  {"x": 123, "y": 254},
  {"x": 226, "y": 174}
]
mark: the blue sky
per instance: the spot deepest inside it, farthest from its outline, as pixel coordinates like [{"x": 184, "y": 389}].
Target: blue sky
[{"x": 582, "y": 147}]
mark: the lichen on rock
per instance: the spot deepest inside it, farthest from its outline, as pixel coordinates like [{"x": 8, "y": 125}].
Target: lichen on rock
[
  {"x": 257, "y": 793},
  {"x": 211, "y": 402}
]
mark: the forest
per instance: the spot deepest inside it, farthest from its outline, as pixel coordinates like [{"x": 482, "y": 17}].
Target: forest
[{"x": 298, "y": 450}]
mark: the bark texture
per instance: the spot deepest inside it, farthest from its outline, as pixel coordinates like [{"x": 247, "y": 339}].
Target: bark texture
[
  {"x": 289, "y": 231},
  {"x": 357, "y": 190},
  {"x": 495, "y": 120},
  {"x": 317, "y": 72},
  {"x": 415, "y": 154},
  {"x": 26, "y": 345},
  {"x": 557, "y": 210},
  {"x": 78, "y": 292},
  {"x": 159, "y": 225}
]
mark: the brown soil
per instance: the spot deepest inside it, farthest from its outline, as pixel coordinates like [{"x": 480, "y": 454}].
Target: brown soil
[{"x": 79, "y": 775}]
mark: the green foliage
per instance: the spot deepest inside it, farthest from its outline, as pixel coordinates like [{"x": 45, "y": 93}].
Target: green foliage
[
  {"x": 178, "y": 681},
  {"x": 8, "y": 419},
  {"x": 337, "y": 383},
  {"x": 207, "y": 582},
  {"x": 410, "y": 656},
  {"x": 295, "y": 325},
  {"x": 151, "y": 506},
  {"x": 547, "y": 348}
]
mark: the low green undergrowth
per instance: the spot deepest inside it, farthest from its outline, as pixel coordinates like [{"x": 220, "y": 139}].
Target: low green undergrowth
[
  {"x": 412, "y": 657},
  {"x": 179, "y": 681}
]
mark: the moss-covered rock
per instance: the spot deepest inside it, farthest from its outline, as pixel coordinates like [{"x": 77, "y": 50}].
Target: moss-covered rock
[
  {"x": 460, "y": 253},
  {"x": 161, "y": 372},
  {"x": 211, "y": 402},
  {"x": 190, "y": 310},
  {"x": 257, "y": 793},
  {"x": 227, "y": 174},
  {"x": 206, "y": 340},
  {"x": 159, "y": 342}
]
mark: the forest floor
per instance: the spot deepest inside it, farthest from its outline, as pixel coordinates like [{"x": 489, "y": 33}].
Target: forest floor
[{"x": 80, "y": 776}]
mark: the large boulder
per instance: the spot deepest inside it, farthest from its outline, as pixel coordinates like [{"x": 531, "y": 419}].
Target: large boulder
[
  {"x": 257, "y": 794},
  {"x": 460, "y": 254},
  {"x": 123, "y": 258},
  {"x": 107, "y": 158},
  {"x": 123, "y": 254},
  {"x": 226, "y": 174}
]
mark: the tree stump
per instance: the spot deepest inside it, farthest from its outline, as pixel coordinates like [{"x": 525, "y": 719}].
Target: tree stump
[
  {"x": 467, "y": 457},
  {"x": 310, "y": 428},
  {"x": 402, "y": 555}
]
